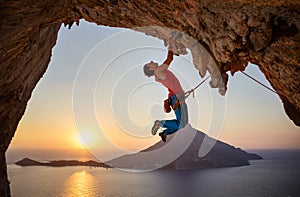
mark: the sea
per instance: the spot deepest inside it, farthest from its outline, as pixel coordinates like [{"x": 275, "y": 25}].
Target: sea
[{"x": 278, "y": 174}]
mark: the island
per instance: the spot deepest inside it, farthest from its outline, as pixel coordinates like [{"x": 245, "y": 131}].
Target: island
[
  {"x": 165, "y": 155},
  {"x": 61, "y": 163}
]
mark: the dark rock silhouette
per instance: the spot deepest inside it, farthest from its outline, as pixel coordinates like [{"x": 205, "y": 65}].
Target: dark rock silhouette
[
  {"x": 187, "y": 142},
  {"x": 60, "y": 163},
  {"x": 28, "y": 162}
]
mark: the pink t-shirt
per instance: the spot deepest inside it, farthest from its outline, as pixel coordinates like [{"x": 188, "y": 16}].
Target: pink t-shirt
[{"x": 172, "y": 83}]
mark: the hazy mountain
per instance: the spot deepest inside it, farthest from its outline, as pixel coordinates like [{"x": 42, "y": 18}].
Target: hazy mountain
[{"x": 186, "y": 149}]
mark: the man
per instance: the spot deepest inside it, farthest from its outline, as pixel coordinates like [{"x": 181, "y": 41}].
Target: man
[{"x": 175, "y": 97}]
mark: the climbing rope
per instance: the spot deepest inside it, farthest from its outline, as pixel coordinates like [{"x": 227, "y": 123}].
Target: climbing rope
[
  {"x": 259, "y": 82},
  {"x": 187, "y": 94},
  {"x": 192, "y": 91}
]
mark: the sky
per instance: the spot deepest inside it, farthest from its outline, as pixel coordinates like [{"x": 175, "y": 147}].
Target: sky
[{"x": 94, "y": 95}]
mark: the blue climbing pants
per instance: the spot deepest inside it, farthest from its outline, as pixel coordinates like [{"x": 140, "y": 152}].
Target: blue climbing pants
[{"x": 181, "y": 120}]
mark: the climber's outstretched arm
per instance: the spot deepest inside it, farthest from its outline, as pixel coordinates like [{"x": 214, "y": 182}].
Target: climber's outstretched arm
[
  {"x": 166, "y": 63},
  {"x": 169, "y": 58}
]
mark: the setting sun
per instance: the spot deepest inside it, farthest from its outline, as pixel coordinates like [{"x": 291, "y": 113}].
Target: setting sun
[
  {"x": 78, "y": 142},
  {"x": 86, "y": 139}
]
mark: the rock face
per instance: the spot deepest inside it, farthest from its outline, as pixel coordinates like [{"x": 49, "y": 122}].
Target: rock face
[
  {"x": 234, "y": 32},
  {"x": 156, "y": 156}
]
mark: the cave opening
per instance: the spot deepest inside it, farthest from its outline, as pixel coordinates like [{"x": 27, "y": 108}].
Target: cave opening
[
  {"x": 253, "y": 118},
  {"x": 29, "y": 34},
  {"x": 48, "y": 121}
]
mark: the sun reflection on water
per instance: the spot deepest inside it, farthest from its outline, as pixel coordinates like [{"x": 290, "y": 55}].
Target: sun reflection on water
[{"x": 80, "y": 183}]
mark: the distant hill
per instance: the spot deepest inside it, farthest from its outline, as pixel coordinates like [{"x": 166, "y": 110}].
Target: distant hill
[
  {"x": 28, "y": 162},
  {"x": 60, "y": 163},
  {"x": 182, "y": 152}
]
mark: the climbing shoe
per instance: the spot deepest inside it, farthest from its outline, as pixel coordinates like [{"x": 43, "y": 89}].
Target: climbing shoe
[
  {"x": 155, "y": 127},
  {"x": 163, "y": 136}
]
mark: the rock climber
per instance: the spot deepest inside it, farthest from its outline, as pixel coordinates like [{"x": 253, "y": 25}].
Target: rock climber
[{"x": 176, "y": 99}]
